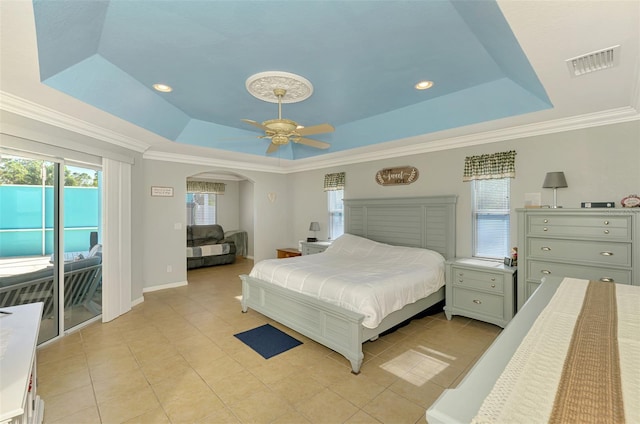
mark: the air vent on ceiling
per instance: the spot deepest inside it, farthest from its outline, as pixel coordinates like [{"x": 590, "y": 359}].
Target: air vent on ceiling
[{"x": 594, "y": 61}]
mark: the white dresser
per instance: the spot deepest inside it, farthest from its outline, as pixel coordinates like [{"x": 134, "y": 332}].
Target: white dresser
[
  {"x": 593, "y": 244},
  {"x": 19, "y": 402}
]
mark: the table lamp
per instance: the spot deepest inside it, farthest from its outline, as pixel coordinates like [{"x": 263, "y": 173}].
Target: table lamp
[
  {"x": 555, "y": 180},
  {"x": 315, "y": 227}
]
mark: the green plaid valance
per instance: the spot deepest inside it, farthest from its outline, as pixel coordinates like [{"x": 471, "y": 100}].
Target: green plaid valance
[
  {"x": 205, "y": 187},
  {"x": 334, "y": 181},
  {"x": 490, "y": 166}
]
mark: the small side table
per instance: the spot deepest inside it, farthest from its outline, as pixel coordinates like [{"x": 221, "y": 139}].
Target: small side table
[
  {"x": 480, "y": 289},
  {"x": 288, "y": 252}
]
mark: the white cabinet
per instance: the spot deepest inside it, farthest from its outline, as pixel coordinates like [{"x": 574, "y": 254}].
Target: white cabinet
[
  {"x": 591, "y": 244},
  {"x": 311, "y": 247},
  {"x": 19, "y": 402}
]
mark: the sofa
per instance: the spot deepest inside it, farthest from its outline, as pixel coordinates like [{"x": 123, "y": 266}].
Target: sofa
[{"x": 207, "y": 246}]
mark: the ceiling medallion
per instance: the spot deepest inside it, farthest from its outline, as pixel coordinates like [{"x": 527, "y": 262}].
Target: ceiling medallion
[{"x": 263, "y": 84}]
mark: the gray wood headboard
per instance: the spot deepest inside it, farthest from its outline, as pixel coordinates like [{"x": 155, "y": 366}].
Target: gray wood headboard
[{"x": 426, "y": 222}]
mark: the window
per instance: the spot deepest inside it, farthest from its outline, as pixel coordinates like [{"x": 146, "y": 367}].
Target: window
[
  {"x": 489, "y": 175},
  {"x": 490, "y": 209},
  {"x": 334, "y": 186},
  {"x": 336, "y": 213},
  {"x": 201, "y": 208}
]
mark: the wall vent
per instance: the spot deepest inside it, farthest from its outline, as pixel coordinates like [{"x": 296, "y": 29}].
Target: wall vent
[{"x": 594, "y": 61}]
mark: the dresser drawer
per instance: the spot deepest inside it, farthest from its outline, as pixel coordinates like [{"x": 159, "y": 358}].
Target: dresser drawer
[
  {"x": 596, "y": 227},
  {"x": 538, "y": 269},
  {"x": 592, "y": 252},
  {"x": 478, "y": 302},
  {"x": 484, "y": 280}
]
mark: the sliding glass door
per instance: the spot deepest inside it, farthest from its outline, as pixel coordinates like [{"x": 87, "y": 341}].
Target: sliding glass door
[
  {"x": 82, "y": 245},
  {"x": 40, "y": 262}
]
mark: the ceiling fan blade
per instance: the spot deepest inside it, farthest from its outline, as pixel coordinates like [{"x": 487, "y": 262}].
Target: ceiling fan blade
[
  {"x": 255, "y": 124},
  {"x": 313, "y": 143},
  {"x": 315, "y": 129},
  {"x": 272, "y": 148}
]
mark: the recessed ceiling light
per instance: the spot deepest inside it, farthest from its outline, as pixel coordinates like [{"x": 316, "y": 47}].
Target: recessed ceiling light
[
  {"x": 164, "y": 88},
  {"x": 423, "y": 85}
]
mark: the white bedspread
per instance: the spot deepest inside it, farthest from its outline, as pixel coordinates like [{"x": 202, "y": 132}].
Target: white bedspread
[{"x": 360, "y": 275}]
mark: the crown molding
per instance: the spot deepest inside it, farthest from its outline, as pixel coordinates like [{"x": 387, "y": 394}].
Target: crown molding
[
  {"x": 218, "y": 163},
  {"x": 425, "y": 143},
  {"x": 29, "y": 109}
]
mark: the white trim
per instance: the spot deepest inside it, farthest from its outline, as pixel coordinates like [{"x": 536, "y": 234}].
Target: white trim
[
  {"x": 116, "y": 247},
  {"x": 214, "y": 162},
  {"x": 165, "y": 286},
  {"x": 137, "y": 301},
  {"x": 419, "y": 144},
  {"x": 23, "y": 107},
  {"x": 424, "y": 143}
]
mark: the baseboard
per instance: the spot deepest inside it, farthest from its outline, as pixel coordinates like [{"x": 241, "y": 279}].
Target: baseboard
[
  {"x": 137, "y": 301},
  {"x": 164, "y": 286}
]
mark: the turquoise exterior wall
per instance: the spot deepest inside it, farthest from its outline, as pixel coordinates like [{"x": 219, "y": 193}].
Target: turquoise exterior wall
[{"x": 21, "y": 212}]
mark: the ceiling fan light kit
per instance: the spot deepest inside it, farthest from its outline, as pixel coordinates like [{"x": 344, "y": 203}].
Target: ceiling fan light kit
[{"x": 283, "y": 87}]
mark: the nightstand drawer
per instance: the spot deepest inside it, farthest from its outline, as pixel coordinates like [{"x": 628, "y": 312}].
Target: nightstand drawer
[
  {"x": 478, "y": 302},
  {"x": 472, "y": 279},
  {"x": 538, "y": 269},
  {"x": 599, "y": 253},
  {"x": 598, "y": 227}
]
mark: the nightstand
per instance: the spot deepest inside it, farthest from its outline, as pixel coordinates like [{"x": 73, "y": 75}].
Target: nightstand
[
  {"x": 311, "y": 247},
  {"x": 288, "y": 252},
  {"x": 480, "y": 289}
]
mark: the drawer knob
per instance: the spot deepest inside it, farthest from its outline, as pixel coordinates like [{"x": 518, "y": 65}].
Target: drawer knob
[
  {"x": 493, "y": 286},
  {"x": 607, "y": 280},
  {"x": 545, "y": 248},
  {"x": 606, "y": 231},
  {"x": 545, "y": 221},
  {"x": 460, "y": 280},
  {"x": 477, "y": 302},
  {"x": 545, "y": 229},
  {"x": 546, "y": 271},
  {"x": 606, "y": 222},
  {"x": 606, "y": 253},
  {"x": 493, "y": 278}
]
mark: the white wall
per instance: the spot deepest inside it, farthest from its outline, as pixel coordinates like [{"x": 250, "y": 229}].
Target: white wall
[
  {"x": 600, "y": 164},
  {"x": 163, "y": 228},
  {"x": 246, "y": 213}
]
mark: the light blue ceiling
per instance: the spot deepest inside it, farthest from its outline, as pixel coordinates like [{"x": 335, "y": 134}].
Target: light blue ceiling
[{"x": 362, "y": 57}]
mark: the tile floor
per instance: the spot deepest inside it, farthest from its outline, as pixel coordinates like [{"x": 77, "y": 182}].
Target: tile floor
[{"x": 173, "y": 359}]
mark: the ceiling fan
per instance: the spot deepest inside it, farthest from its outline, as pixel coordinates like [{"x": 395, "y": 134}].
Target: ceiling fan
[{"x": 281, "y": 131}]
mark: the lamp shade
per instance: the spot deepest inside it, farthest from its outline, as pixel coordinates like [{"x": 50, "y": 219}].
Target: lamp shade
[
  {"x": 314, "y": 226},
  {"x": 554, "y": 180}
]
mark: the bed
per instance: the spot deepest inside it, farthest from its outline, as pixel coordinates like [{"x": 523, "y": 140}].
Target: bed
[
  {"x": 416, "y": 222},
  {"x": 569, "y": 355}
]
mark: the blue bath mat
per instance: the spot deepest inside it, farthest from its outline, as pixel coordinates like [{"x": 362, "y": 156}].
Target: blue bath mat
[{"x": 267, "y": 340}]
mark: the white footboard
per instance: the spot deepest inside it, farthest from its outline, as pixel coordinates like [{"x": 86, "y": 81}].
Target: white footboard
[{"x": 334, "y": 327}]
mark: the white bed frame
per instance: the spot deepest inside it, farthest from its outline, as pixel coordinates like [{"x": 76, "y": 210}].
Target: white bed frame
[{"x": 425, "y": 222}]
